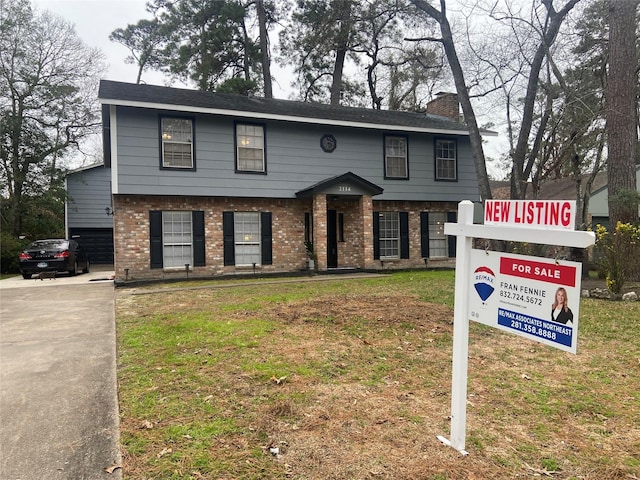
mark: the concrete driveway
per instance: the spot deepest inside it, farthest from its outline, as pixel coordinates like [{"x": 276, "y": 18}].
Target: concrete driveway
[{"x": 58, "y": 395}]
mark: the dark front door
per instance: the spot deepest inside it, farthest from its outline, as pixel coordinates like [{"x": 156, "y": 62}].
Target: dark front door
[{"x": 332, "y": 240}]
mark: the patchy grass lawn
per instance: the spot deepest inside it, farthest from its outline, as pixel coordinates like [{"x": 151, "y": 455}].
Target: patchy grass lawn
[{"x": 351, "y": 379}]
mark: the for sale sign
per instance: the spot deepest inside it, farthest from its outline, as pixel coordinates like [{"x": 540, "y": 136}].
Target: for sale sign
[{"x": 534, "y": 297}]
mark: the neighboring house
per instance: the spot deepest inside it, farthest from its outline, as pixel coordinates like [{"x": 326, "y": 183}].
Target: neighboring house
[
  {"x": 599, "y": 203},
  {"x": 89, "y": 190},
  {"x": 232, "y": 184}
]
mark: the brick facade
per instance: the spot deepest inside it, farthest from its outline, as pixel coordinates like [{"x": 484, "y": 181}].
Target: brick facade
[{"x": 355, "y": 248}]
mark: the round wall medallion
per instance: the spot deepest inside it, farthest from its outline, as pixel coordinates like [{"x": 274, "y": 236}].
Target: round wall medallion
[{"x": 328, "y": 143}]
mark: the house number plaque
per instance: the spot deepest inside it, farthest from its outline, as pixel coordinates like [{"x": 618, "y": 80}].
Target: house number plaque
[{"x": 344, "y": 188}]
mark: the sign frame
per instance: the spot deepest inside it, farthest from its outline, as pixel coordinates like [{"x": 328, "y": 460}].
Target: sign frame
[{"x": 465, "y": 231}]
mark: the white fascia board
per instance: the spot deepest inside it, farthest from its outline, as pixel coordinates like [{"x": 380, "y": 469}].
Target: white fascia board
[
  {"x": 114, "y": 149},
  {"x": 85, "y": 168},
  {"x": 286, "y": 118}
]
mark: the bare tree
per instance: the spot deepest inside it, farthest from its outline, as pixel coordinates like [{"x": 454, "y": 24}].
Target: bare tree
[
  {"x": 475, "y": 138},
  {"x": 48, "y": 90},
  {"x": 523, "y": 160}
]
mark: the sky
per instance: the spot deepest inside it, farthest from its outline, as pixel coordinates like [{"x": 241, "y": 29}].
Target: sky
[{"x": 94, "y": 20}]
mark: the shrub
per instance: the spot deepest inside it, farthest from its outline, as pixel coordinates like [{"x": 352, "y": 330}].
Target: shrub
[
  {"x": 10, "y": 248},
  {"x": 618, "y": 254}
]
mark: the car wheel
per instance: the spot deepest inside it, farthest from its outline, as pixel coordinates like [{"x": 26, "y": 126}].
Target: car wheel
[
  {"x": 74, "y": 271},
  {"x": 26, "y": 276},
  {"x": 86, "y": 267}
]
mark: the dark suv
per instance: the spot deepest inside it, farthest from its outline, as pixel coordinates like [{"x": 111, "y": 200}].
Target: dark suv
[{"x": 53, "y": 255}]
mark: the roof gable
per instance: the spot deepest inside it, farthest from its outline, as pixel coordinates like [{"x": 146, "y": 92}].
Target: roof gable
[{"x": 346, "y": 184}]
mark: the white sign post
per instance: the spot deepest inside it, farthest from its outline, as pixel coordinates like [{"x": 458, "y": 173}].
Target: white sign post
[{"x": 541, "y": 222}]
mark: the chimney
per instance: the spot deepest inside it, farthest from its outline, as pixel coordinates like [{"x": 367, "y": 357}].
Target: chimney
[{"x": 446, "y": 105}]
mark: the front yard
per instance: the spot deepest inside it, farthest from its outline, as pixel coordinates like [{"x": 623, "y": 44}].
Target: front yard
[{"x": 351, "y": 379}]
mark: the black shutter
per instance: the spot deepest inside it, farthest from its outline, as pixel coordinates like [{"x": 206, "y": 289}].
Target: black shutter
[
  {"x": 155, "y": 238},
  {"x": 229, "y": 246},
  {"x": 404, "y": 234},
  {"x": 376, "y": 235},
  {"x": 198, "y": 238},
  {"x": 451, "y": 239},
  {"x": 266, "y": 242},
  {"x": 424, "y": 234}
]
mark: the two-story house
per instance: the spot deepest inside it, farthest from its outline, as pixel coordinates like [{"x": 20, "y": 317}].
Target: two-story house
[{"x": 233, "y": 184}]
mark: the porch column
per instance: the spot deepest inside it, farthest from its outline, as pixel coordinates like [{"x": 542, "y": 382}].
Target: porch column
[
  {"x": 320, "y": 230},
  {"x": 366, "y": 212}
]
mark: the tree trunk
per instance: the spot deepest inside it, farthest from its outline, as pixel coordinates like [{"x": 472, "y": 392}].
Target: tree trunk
[
  {"x": 342, "y": 44},
  {"x": 621, "y": 111},
  {"x": 336, "y": 84},
  {"x": 264, "y": 50},
  {"x": 463, "y": 94}
]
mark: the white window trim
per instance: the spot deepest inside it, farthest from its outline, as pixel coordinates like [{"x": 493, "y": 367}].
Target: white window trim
[
  {"x": 169, "y": 141},
  {"x": 438, "y": 238},
  {"x": 447, "y": 159},
  {"x": 258, "y": 243},
  {"x": 173, "y": 244},
  {"x": 239, "y": 146},
  {"x": 387, "y": 156},
  {"x": 396, "y": 239}
]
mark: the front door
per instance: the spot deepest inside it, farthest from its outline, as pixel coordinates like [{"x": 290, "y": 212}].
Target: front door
[{"x": 332, "y": 240}]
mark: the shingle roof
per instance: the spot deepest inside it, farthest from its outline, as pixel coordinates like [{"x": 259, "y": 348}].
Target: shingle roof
[
  {"x": 557, "y": 189},
  {"x": 120, "y": 93}
]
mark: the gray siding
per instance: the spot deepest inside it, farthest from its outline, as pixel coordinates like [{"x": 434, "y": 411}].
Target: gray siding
[
  {"x": 599, "y": 201},
  {"x": 294, "y": 161},
  {"x": 89, "y": 194}
]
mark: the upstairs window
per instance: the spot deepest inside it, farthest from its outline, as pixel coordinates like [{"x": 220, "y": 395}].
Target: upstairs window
[
  {"x": 446, "y": 163},
  {"x": 176, "y": 138},
  {"x": 395, "y": 157},
  {"x": 250, "y": 155}
]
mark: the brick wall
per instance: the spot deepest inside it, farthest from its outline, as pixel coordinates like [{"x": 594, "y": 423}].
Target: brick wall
[
  {"x": 131, "y": 232},
  {"x": 445, "y": 104},
  {"x": 415, "y": 259}
]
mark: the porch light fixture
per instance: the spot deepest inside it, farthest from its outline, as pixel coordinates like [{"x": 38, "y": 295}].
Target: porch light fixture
[{"x": 109, "y": 211}]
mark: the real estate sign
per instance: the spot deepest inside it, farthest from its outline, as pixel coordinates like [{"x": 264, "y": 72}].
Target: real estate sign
[
  {"x": 540, "y": 214},
  {"x": 534, "y": 297}
]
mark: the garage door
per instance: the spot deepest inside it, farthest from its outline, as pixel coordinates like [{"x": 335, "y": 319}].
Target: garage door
[{"x": 97, "y": 242}]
